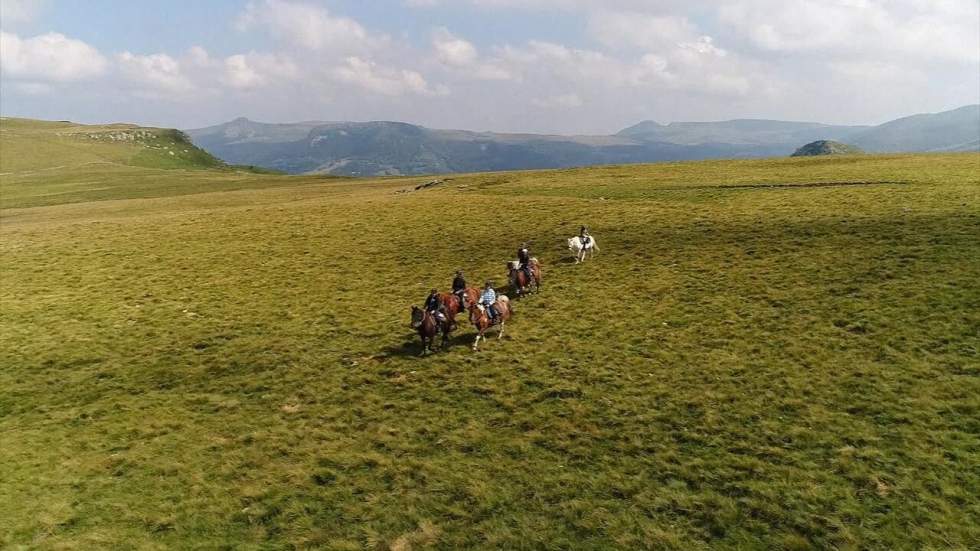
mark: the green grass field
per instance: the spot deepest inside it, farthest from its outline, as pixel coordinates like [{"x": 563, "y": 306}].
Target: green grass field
[
  {"x": 778, "y": 354},
  {"x": 49, "y": 163}
]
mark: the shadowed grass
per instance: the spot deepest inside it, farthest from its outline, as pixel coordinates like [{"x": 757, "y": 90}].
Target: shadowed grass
[{"x": 756, "y": 367}]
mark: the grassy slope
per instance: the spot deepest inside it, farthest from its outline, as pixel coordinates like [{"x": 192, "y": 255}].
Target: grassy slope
[
  {"x": 743, "y": 367},
  {"x": 47, "y": 163}
]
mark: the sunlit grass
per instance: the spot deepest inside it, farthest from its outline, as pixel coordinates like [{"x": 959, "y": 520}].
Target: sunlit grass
[{"x": 741, "y": 367}]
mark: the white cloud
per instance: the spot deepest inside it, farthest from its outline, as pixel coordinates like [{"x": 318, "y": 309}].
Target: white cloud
[
  {"x": 49, "y": 57},
  {"x": 370, "y": 76},
  {"x": 943, "y": 30},
  {"x": 575, "y": 64},
  {"x": 638, "y": 30},
  {"x": 198, "y": 57},
  {"x": 239, "y": 74},
  {"x": 835, "y": 61},
  {"x": 492, "y": 70},
  {"x": 307, "y": 26},
  {"x": 696, "y": 67},
  {"x": 462, "y": 57},
  {"x": 253, "y": 70},
  {"x": 157, "y": 75},
  {"x": 452, "y": 50}
]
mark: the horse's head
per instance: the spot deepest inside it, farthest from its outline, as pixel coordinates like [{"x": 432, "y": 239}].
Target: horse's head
[
  {"x": 417, "y": 316},
  {"x": 513, "y": 264}
]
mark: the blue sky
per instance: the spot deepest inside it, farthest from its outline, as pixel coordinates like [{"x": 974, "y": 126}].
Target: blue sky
[
  {"x": 146, "y": 28},
  {"x": 564, "y": 66}
]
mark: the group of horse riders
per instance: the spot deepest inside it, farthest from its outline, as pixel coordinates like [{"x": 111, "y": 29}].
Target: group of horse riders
[
  {"x": 487, "y": 307},
  {"x": 488, "y": 296}
]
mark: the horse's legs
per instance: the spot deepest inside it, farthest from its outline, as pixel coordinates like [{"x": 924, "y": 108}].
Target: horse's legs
[
  {"x": 476, "y": 343},
  {"x": 501, "y": 333}
]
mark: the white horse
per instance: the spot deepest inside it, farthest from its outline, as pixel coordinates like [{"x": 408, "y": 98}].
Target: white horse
[{"x": 577, "y": 248}]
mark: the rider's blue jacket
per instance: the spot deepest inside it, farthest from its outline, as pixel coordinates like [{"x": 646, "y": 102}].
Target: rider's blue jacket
[{"x": 489, "y": 296}]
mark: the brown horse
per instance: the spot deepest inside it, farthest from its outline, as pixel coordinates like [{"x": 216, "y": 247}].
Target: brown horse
[
  {"x": 481, "y": 320},
  {"x": 428, "y": 327},
  {"x": 519, "y": 280},
  {"x": 454, "y": 305}
]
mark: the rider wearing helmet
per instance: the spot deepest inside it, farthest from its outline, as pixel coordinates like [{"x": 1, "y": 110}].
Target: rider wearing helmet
[
  {"x": 524, "y": 260},
  {"x": 584, "y": 235},
  {"x": 459, "y": 285}
]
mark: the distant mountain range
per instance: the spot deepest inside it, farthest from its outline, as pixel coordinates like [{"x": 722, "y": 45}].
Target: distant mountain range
[{"x": 391, "y": 148}]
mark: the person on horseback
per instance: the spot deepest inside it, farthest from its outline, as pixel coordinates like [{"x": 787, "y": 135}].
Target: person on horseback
[
  {"x": 459, "y": 285},
  {"x": 524, "y": 260},
  {"x": 583, "y": 234},
  {"x": 487, "y": 299},
  {"x": 435, "y": 308}
]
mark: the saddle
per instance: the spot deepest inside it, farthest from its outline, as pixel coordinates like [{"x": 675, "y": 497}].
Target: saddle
[{"x": 495, "y": 320}]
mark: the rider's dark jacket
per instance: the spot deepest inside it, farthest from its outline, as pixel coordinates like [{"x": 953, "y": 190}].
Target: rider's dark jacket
[
  {"x": 459, "y": 284},
  {"x": 432, "y": 303}
]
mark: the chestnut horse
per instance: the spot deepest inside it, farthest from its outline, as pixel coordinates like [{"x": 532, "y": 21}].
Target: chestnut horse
[
  {"x": 428, "y": 327},
  {"x": 519, "y": 280},
  {"x": 481, "y": 320},
  {"x": 454, "y": 305}
]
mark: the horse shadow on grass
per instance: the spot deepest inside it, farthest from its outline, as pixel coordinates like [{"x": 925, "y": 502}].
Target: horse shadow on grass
[{"x": 411, "y": 346}]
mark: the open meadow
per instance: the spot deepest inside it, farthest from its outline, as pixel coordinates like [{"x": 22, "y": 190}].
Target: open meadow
[{"x": 777, "y": 354}]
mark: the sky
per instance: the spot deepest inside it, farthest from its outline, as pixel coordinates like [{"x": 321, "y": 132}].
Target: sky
[{"x": 553, "y": 66}]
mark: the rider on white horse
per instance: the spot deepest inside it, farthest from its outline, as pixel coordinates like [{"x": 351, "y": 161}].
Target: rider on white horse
[{"x": 581, "y": 244}]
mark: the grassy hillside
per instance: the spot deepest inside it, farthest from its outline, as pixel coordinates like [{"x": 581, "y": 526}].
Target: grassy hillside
[
  {"x": 826, "y": 147},
  {"x": 48, "y": 162},
  {"x": 766, "y": 355},
  {"x": 956, "y": 130}
]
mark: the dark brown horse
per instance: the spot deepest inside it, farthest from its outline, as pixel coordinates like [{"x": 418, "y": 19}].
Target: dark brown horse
[
  {"x": 481, "y": 319},
  {"x": 519, "y": 280},
  {"x": 428, "y": 327}
]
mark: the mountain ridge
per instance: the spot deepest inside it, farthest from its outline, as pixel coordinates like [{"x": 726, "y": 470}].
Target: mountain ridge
[{"x": 374, "y": 148}]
